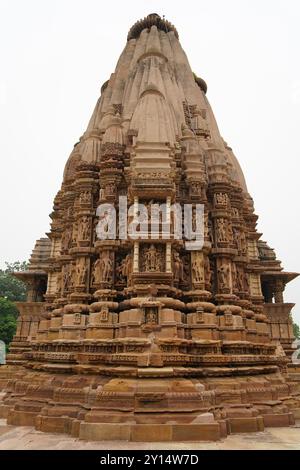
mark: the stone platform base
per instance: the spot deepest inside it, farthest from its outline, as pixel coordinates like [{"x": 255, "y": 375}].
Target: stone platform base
[
  {"x": 150, "y": 432},
  {"x": 190, "y": 432},
  {"x": 27, "y": 438},
  {"x": 149, "y": 409}
]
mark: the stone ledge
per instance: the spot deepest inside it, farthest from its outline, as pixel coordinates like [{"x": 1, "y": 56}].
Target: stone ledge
[
  {"x": 242, "y": 425},
  {"x": 150, "y": 432},
  {"x": 279, "y": 420}
]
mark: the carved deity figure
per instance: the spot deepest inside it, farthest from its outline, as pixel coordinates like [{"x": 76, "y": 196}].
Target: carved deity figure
[
  {"x": 198, "y": 268},
  {"x": 186, "y": 268},
  {"x": 66, "y": 278},
  {"x": 83, "y": 276},
  {"x": 106, "y": 224},
  {"x": 107, "y": 268},
  {"x": 200, "y": 122},
  {"x": 77, "y": 318},
  {"x": 104, "y": 314},
  {"x": 177, "y": 267},
  {"x": 102, "y": 194},
  {"x": 128, "y": 266},
  {"x": 230, "y": 233},
  {"x": 221, "y": 199},
  {"x": 240, "y": 280},
  {"x": 120, "y": 268},
  {"x": 66, "y": 239},
  {"x": 151, "y": 318},
  {"x": 196, "y": 188},
  {"x": 223, "y": 276},
  {"x": 84, "y": 228},
  {"x": 244, "y": 243},
  {"x": 81, "y": 272},
  {"x": 235, "y": 212},
  {"x": 85, "y": 197},
  {"x": 110, "y": 189},
  {"x": 221, "y": 230},
  {"x": 96, "y": 277},
  {"x": 125, "y": 268},
  {"x": 152, "y": 259},
  {"x": 103, "y": 269},
  {"x": 237, "y": 239},
  {"x": 151, "y": 315},
  {"x": 200, "y": 315}
]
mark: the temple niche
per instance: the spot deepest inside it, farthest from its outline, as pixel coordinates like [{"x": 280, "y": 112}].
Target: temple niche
[{"x": 151, "y": 337}]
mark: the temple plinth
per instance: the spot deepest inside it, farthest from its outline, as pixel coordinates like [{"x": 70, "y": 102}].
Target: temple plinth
[{"x": 156, "y": 337}]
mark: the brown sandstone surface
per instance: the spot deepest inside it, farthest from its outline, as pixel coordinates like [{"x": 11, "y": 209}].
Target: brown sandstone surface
[{"x": 147, "y": 340}]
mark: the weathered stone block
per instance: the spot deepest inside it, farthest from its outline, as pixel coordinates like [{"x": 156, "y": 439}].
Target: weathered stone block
[
  {"x": 279, "y": 420},
  {"x": 151, "y": 432},
  {"x": 237, "y": 425},
  {"x": 196, "y": 432},
  {"x": 104, "y": 432}
]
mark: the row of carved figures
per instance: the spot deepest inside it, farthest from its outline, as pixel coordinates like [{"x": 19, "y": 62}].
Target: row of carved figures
[
  {"x": 223, "y": 233},
  {"x": 108, "y": 269}
]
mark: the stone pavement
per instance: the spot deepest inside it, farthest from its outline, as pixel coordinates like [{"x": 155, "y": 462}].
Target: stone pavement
[{"x": 27, "y": 438}]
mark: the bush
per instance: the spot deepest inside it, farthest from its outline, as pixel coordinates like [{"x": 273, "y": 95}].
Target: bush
[
  {"x": 10, "y": 287},
  {"x": 8, "y": 320}
]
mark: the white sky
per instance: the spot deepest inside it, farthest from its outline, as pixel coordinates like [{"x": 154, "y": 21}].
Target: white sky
[{"x": 55, "y": 55}]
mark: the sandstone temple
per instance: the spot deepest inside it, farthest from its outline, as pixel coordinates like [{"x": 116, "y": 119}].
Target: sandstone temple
[{"x": 143, "y": 339}]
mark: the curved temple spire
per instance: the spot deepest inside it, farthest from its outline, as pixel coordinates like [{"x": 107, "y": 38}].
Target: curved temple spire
[{"x": 153, "y": 57}]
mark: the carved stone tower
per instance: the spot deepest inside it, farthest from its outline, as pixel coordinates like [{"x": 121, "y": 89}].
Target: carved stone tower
[{"x": 144, "y": 339}]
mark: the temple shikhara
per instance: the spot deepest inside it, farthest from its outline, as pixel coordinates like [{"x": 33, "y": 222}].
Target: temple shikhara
[{"x": 144, "y": 339}]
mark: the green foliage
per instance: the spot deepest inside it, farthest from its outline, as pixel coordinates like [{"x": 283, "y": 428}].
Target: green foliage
[
  {"x": 11, "y": 290},
  {"x": 16, "y": 266},
  {"x": 10, "y": 287},
  {"x": 296, "y": 330},
  {"x": 8, "y": 320}
]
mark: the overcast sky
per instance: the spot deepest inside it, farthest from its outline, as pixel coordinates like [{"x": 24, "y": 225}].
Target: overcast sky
[{"x": 56, "y": 54}]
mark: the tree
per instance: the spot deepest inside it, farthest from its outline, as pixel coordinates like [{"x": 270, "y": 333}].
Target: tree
[
  {"x": 11, "y": 290},
  {"x": 16, "y": 266},
  {"x": 10, "y": 287},
  {"x": 296, "y": 330},
  {"x": 8, "y": 320}
]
